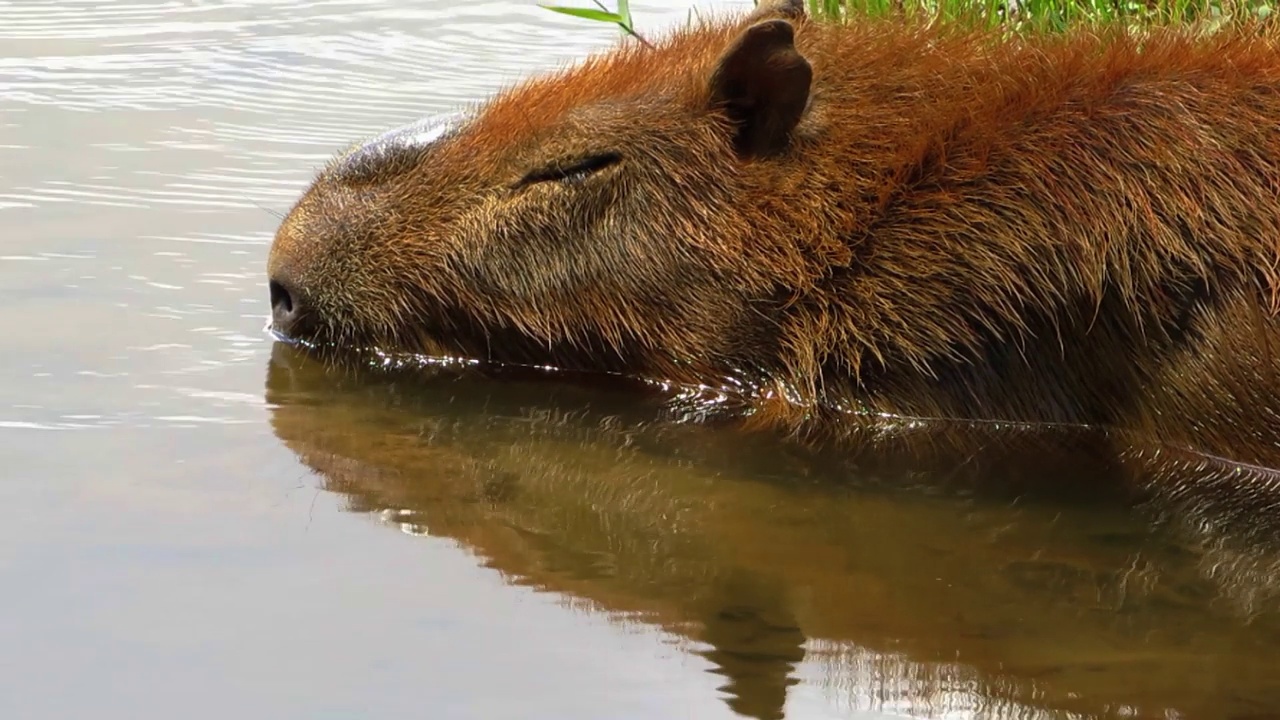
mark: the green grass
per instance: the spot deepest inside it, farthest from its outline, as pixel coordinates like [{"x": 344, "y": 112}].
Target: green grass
[
  {"x": 621, "y": 17},
  {"x": 1012, "y": 15},
  {"x": 1052, "y": 15}
]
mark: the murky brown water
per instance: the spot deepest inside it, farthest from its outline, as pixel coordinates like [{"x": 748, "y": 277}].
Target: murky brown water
[{"x": 200, "y": 523}]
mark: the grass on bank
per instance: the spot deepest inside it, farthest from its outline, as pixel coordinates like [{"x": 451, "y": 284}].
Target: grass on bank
[
  {"x": 1052, "y": 15},
  {"x": 1013, "y": 15}
]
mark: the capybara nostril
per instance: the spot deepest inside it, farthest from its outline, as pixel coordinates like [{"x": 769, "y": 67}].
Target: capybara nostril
[{"x": 284, "y": 306}]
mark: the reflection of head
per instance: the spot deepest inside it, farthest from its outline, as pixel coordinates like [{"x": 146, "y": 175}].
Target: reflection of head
[{"x": 769, "y": 557}]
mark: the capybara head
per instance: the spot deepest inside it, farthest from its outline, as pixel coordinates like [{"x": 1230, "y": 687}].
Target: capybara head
[{"x": 593, "y": 213}]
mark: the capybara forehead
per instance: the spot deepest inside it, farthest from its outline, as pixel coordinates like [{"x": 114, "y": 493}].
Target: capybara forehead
[
  {"x": 672, "y": 71},
  {"x": 400, "y": 149}
]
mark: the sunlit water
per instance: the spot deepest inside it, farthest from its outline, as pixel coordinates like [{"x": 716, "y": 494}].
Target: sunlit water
[{"x": 200, "y": 524}]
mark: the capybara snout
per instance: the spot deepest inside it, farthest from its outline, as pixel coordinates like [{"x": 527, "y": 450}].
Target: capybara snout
[
  {"x": 877, "y": 216},
  {"x": 329, "y": 266}
]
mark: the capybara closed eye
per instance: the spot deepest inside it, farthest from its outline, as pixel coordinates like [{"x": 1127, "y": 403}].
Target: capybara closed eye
[{"x": 878, "y": 216}]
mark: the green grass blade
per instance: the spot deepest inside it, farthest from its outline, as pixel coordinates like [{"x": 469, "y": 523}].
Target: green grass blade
[{"x": 589, "y": 14}]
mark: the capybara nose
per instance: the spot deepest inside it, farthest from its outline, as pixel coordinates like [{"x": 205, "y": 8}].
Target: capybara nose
[{"x": 286, "y": 306}]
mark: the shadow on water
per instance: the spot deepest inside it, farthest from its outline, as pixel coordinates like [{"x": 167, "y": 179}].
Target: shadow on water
[{"x": 945, "y": 583}]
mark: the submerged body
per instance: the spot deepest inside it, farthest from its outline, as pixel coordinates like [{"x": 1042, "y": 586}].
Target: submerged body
[{"x": 862, "y": 219}]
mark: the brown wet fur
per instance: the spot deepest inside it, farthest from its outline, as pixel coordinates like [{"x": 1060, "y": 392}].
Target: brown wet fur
[{"x": 1081, "y": 229}]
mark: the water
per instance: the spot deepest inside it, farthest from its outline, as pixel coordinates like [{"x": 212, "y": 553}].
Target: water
[{"x": 200, "y": 522}]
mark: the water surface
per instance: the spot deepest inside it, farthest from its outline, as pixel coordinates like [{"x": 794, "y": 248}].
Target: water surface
[{"x": 200, "y": 522}]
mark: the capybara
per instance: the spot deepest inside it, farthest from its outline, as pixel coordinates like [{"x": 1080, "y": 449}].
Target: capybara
[{"x": 859, "y": 220}]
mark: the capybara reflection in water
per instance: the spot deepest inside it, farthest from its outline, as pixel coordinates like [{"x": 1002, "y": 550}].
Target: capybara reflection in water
[{"x": 858, "y": 219}]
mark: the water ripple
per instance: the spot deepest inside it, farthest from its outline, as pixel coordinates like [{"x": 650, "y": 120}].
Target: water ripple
[
  {"x": 148, "y": 149},
  {"x": 245, "y": 98}
]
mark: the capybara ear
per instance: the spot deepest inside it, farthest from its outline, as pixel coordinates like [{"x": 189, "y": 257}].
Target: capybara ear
[
  {"x": 762, "y": 82},
  {"x": 789, "y": 9}
]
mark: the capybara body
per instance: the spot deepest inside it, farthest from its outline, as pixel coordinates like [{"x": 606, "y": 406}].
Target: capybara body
[{"x": 879, "y": 217}]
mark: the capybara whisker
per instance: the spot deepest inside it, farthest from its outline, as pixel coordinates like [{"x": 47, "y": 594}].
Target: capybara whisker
[{"x": 274, "y": 213}]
